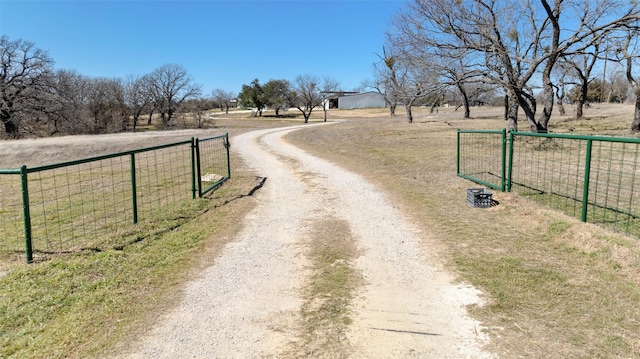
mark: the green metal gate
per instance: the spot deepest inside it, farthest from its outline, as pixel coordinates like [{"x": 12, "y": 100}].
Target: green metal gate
[
  {"x": 592, "y": 178},
  {"x": 79, "y": 204}
]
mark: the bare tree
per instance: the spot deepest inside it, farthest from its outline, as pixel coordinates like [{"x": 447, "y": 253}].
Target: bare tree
[
  {"x": 410, "y": 79},
  {"x": 329, "y": 86},
  {"x": 305, "y": 95},
  {"x": 379, "y": 84},
  {"x": 514, "y": 40},
  {"x": 172, "y": 85},
  {"x": 561, "y": 78},
  {"x": 25, "y": 72},
  {"x": 384, "y": 84},
  {"x": 98, "y": 104},
  {"x": 627, "y": 53},
  {"x": 466, "y": 80},
  {"x": 68, "y": 106},
  {"x": 140, "y": 97},
  {"x": 454, "y": 66},
  {"x": 196, "y": 107},
  {"x": 223, "y": 99},
  {"x": 396, "y": 82},
  {"x": 107, "y": 105},
  {"x": 582, "y": 64},
  {"x": 619, "y": 87},
  {"x": 119, "y": 106}
]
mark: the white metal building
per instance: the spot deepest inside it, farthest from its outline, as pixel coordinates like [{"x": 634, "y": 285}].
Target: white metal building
[{"x": 361, "y": 100}]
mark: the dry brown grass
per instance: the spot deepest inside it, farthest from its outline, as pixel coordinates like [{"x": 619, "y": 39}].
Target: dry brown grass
[
  {"x": 41, "y": 151},
  {"x": 555, "y": 287}
]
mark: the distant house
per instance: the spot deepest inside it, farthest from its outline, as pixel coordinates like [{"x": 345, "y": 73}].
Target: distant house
[
  {"x": 361, "y": 100},
  {"x": 449, "y": 103}
]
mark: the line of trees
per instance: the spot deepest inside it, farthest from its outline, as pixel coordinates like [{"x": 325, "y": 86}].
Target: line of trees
[
  {"x": 306, "y": 93},
  {"x": 36, "y": 99},
  {"x": 528, "y": 50}
]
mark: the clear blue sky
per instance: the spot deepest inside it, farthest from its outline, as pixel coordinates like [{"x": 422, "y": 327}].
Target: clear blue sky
[{"x": 222, "y": 44}]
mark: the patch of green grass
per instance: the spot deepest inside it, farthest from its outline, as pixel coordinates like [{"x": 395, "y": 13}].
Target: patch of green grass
[
  {"x": 328, "y": 293},
  {"x": 556, "y": 228}
]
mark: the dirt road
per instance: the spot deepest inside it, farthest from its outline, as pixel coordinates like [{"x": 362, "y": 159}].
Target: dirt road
[{"x": 248, "y": 303}]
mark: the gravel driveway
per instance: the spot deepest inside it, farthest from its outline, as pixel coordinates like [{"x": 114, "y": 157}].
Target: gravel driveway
[{"x": 247, "y": 304}]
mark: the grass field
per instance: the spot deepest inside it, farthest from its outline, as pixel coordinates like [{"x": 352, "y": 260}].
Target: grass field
[{"x": 554, "y": 287}]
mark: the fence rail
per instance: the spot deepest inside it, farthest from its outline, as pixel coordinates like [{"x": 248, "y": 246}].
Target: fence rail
[
  {"x": 592, "y": 178},
  {"x": 91, "y": 202}
]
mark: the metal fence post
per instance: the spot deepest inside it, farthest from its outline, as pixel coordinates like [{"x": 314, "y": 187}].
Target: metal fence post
[
  {"x": 27, "y": 214},
  {"x": 504, "y": 159},
  {"x": 194, "y": 141},
  {"x": 198, "y": 168},
  {"x": 587, "y": 176},
  {"x": 134, "y": 194},
  {"x": 227, "y": 145},
  {"x": 458, "y": 154},
  {"x": 510, "y": 167}
]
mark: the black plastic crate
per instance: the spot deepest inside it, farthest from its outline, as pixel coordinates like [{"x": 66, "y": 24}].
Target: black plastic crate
[{"x": 479, "y": 197}]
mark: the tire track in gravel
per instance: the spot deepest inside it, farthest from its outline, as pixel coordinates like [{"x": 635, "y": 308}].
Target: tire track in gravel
[{"x": 247, "y": 304}]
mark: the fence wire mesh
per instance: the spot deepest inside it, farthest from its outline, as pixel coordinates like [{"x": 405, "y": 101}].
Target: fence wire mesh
[
  {"x": 481, "y": 157},
  {"x": 589, "y": 177},
  {"x": 213, "y": 164},
  {"x": 11, "y": 213},
  {"x": 97, "y": 202},
  {"x": 613, "y": 200},
  {"x": 77, "y": 205},
  {"x": 550, "y": 171},
  {"x": 163, "y": 179}
]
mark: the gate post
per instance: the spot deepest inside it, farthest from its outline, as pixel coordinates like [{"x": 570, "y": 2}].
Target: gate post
[{"x": 26, "y": 213}]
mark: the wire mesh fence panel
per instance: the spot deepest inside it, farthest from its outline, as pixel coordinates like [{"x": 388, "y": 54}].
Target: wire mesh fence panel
[
  {"x": 76, "y": 206},
  {"x": 106, "y": 201},
  {"x": 481, "y": 157},
  {"x": 549, "y": 171},
  {"x": 11, "y": 213},
  {"x": 552, "y": 169},
  {"x": 163, "y": 180},
  {"x": 613, "y": 201},
  {"x": 213, "y": 165}
]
